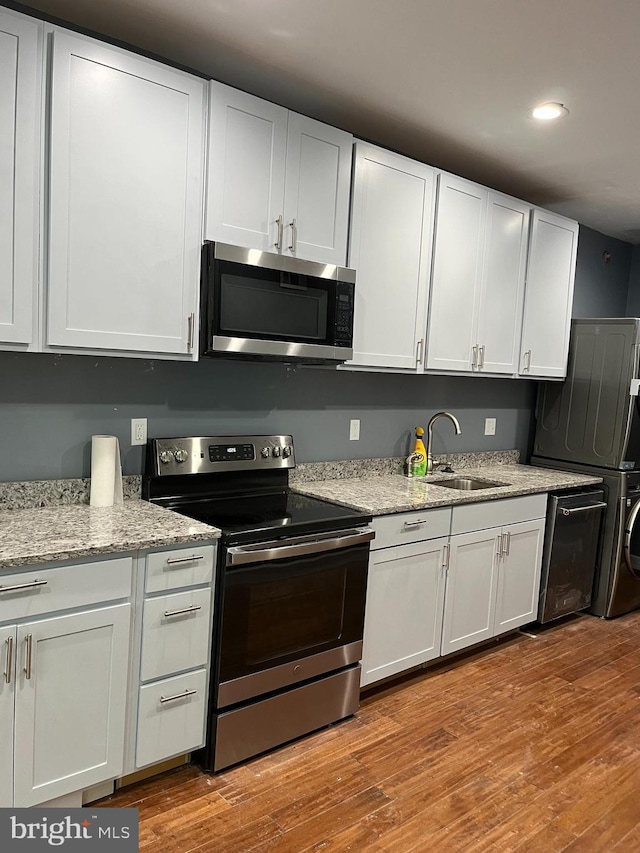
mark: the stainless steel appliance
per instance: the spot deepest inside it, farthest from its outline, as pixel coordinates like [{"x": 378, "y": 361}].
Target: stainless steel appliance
[
  {"x": 290, "y": 590},
  {"x": 590, "y": 423},
  {"x": 571, "y": 543},
  {"x": 263, "y": 305}
]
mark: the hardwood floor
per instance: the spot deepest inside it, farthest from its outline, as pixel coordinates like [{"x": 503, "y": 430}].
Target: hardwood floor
[{"x": 530, "y": 745}]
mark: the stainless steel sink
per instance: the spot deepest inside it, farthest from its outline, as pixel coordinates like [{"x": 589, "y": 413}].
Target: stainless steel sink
[{"x": 466, "y": 484}]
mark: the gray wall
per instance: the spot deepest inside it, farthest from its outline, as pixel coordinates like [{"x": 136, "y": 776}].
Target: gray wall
[
  {"x": 601, "y": 288},
  {"x": 51, "y": 405},
  {"x": 633, "y": 296}
]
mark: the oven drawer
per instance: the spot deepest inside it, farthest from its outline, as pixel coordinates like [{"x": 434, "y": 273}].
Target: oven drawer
[
  {"x": 171, "y": 717},
  {"x": 403, "y": 528},
  {"x": 176, "y": 630},
  {"x": 77, "y": 585},
  {"x": 179, "y": 567}
]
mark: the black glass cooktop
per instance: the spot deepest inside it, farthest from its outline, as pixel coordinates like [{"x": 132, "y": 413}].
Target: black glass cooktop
[{"x": 255, "y": 518}]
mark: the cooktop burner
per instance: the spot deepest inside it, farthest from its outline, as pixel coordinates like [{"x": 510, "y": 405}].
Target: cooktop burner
[{"x": 239, "y": 484}]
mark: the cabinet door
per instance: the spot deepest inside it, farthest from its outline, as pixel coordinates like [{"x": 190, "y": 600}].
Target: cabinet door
[
  {"x": 125, "y": 200},
  {"x": 471, "y": 589},
  {"x": 316, "y": 195},
  {"x": 70, "y": 703},
  {"x": 548, "y": 295},
  {"x": 7, "y": 696},
  {"x": 20, "y": 60},
  {"x": 403, "y": 617},
  {"x": 457, "y": 268},
  {"x": 502, "y": 288},
  {"x": 246, "y": 163},
  {"x": 393, "y": 196},
  {"x": 519, "y": 575}
]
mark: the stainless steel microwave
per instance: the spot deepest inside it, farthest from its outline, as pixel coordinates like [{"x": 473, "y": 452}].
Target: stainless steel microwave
[{"x": 261, "y": 305}]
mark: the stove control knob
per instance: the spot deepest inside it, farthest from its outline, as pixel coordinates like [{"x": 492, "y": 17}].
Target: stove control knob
[
  {"x": 275, "y": 451},
  {"x": 166, "y": 456},
  {"x": 181, "y": 455},
  {"x": 265, "y": 452},
  {"x": 286, "y": 451}
]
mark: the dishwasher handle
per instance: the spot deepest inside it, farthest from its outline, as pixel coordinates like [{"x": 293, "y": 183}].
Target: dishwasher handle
[{"x": 564, "y": 511}]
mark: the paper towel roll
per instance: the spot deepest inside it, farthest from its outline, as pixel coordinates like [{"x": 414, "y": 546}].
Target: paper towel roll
[{"x": 106, "y": 471}]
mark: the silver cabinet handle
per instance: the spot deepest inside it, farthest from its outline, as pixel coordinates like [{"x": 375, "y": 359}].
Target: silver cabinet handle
[
  {"x": 29, "y": 652},
  {"x": 177, "y": 696},
  {"x": 409, "y": 525},
  {"x": 507, "y": 543},
  {"x": 481, "y": 358},
  {"x": 280, "y": 224},
  {"x": 172, "y": 561},
  {"x": 474, "y": 361},
  {"x": 9, "y": 666},
  {"x": 191, "y": 331},
  {"x": 419, "y": 351},
  {"x": 294, "y": 235},
  {"x": 192, "y": 609},
  {"x": 500, "y": 544},
  {"x": 18, "y": 586},
  {"x": 446, "y": 553},
  {"x": 527, "y": 360}
]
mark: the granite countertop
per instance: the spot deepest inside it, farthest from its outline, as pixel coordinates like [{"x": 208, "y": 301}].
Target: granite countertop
[
  {"x": 46, "y": 534},
  {"x": 389, "y": 493}
]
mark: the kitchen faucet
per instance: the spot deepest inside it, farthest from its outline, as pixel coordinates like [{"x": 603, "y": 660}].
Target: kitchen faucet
[{"x": 453, "y": 420}]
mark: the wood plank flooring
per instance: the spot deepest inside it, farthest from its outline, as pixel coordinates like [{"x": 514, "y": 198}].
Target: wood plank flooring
[{"x": 530, "y": 745}]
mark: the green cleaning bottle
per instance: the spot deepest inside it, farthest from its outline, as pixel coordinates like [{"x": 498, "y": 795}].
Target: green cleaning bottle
[{"x": 420, "y": 468}]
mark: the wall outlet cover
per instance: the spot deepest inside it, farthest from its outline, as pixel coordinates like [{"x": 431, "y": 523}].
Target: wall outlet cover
[
  {"x": 354, "y": 430},
  {"x": 138, "y": 431},
  {"x": 489, "y": 426}
]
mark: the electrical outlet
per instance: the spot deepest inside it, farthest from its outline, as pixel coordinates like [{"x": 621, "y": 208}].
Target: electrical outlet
[
  {"x": 489, "y": 426},
  {"x": 138, "y": 431},
  {"x": 354, "y": 430}
]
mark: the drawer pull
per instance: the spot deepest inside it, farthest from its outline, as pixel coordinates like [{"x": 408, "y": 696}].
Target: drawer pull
[
  {"x": 18, "y": 586},
  {"x": 183, "y": 695},
  {"x": 29, "y": 647},
  {"x": 9, "y": 667},
  {"x": 409, "y": 525},
  {"x": 171, "y": 561},
  {"x": 180, "y": 612}
]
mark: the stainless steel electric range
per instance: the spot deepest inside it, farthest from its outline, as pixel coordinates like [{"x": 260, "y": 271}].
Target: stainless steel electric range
[{"x": 290, "y": 590}]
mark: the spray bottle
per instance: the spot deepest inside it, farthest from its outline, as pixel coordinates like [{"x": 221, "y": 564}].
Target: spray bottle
[{"x": 419, "y": 465}]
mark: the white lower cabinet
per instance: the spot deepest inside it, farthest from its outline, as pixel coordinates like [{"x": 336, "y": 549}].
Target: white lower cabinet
[
  {"x": 404, "y": 608},
  {"x": 169, "y": 690},
  {"x": 63, "y": 690},
  {"x": 478, "y": 577}
]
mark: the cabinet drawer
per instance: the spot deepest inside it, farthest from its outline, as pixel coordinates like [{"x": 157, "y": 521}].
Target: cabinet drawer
[
  {"x": 77, "y": 585},
  {"x": 497, "y": 513},
  {"x": 402, "y": 528},
  {"x": 175, "y": 633},
  {"x": 171, "y": 717},
  {"x": 179, "y": 567}
]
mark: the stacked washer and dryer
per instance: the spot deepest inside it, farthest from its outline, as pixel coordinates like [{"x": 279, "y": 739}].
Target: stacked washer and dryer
[{"x": 590, "y": 424}]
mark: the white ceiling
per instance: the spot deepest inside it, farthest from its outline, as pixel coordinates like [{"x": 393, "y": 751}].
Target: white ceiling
[{"x": 446, "y": 81}]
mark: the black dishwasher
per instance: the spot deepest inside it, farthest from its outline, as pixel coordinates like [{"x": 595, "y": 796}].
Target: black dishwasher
[{"x": 570, "y": 551}]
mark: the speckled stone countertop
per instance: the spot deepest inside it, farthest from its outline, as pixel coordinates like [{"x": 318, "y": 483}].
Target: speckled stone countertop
[
  {"x": 389, "y": 493},
  {"x": 47, "y": 534}
]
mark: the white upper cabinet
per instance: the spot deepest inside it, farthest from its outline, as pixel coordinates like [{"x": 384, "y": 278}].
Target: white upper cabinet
[
  {"x": 20, "y": 68},
  {"x": 390, "y": 247},
  {"x": 548, "y": 295},
  {"x": 125, "y": 201},
  {"x": 478, "y": 279},
  {"x": 277, "y": 181}
]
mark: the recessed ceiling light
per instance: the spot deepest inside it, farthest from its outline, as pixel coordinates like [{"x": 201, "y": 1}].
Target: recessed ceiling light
[{"x": 546, "y": 112}]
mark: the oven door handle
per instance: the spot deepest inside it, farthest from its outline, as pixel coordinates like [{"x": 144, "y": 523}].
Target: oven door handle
[{"x": 301, "y": 546}]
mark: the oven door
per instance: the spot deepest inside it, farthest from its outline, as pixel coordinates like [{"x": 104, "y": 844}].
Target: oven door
[{"x": 290, "y": 610}]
